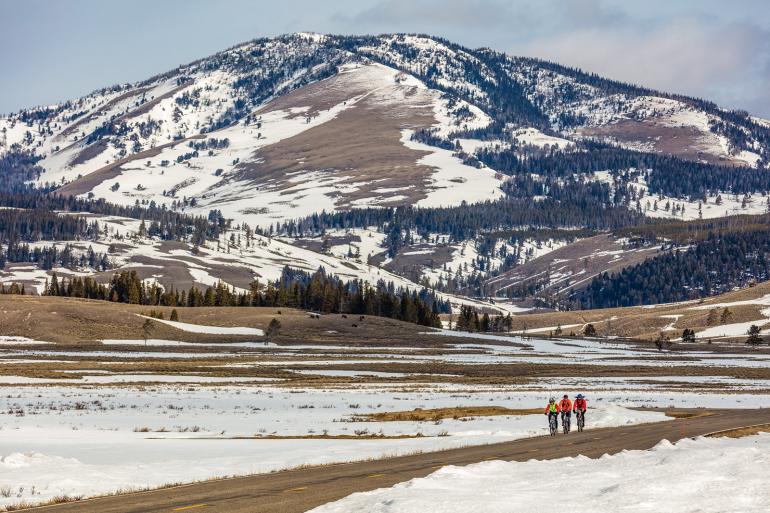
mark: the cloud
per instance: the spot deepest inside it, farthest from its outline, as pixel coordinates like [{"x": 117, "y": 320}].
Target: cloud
[
  {"x": 447, "y": 13},
  {"x": 696, "y": 56},
  {"x": 689, "y": 47},
  {"x": 470, "y": 22},
  {"x": 697, "y": 47}
]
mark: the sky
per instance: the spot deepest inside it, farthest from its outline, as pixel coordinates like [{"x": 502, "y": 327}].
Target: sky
[{"x": 53, "y": 50}]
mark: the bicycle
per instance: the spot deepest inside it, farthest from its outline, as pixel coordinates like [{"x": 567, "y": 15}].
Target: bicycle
[
  {"x": 581, "y": 420},
  {"x": 553, "y": 425},
  {"x": 565, "y": 424}
]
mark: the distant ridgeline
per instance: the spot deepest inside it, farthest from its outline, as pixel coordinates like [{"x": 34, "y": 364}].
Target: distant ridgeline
[{"x": 317, "y": 292}]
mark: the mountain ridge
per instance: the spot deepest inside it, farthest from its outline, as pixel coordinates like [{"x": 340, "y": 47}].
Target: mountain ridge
[
  {"x": 310, "y": 47},
  {"x": 477, "y": 161}
]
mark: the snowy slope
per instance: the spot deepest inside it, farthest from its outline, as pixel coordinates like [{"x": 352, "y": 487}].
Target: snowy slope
[
  {"x": 235, "y": 260},
  {"x": 163, "y": 140},
  {"x": 279, "y": 128}
]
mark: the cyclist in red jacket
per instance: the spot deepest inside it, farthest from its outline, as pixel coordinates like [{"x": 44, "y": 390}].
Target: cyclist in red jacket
[
  {"x": 580, "y": 404},
  {"x": 579, "y": 407}
]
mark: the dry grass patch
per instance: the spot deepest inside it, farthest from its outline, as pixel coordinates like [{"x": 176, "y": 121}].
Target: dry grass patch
[
  {"x": 676, "y": 414},
  {"x": 433, "y": 414},
  {"x": 60, "y": 499},
  {"x": 741, "y": 432},
  {"x": 365, "y": 435}
]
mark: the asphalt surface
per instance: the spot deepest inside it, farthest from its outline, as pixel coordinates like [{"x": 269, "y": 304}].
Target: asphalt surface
[{"x": 297, "y": 491}]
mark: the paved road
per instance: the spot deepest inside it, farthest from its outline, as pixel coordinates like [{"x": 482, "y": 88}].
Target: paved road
[{"x": 300, "y": 490}]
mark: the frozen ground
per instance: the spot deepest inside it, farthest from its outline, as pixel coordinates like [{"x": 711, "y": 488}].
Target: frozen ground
[
  {"x": 712, "y": 476},
  {"x": 138, "y": 437},
  {"x": 98, "y": 429}
]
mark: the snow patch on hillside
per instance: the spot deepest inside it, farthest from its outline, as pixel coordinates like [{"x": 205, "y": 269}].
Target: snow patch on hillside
[
  {"x": 465, "y": 258},
  {"x": 716, "y": 205},
  {"x": 454, "y": 182},
  {"x": 534, "y": 137},
  {"x": 210, "y": 330}
]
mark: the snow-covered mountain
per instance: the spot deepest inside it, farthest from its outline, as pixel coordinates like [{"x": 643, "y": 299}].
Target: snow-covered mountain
[{"x": 276, "y": 129}]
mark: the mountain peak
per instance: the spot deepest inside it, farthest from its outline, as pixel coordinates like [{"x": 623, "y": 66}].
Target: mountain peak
[{"x": 307, "y": 122}]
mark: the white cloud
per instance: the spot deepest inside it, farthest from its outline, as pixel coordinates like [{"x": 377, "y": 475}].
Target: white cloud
[
  {"x": 697, "y": 47},
  {"x": 727, "y": 63}
]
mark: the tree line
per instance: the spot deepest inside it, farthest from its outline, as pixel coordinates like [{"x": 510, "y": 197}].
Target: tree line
[
  {"x": 466, "y": 221},
  {"x": 665, "y": 174},
  {"x": 469, "y": 320},
  {"x": 49, "y": 257},
  {"x": 317, "y": 292},
  {"x": 712, "y": 266}
]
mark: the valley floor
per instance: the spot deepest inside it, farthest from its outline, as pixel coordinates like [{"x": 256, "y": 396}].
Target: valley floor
[{"x": 210, "y": 397}]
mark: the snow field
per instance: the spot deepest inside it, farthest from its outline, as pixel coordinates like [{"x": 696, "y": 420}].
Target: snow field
[
  {"x": 81, "y": 441},
  {"x": 713, "y": 475},
  {"x": 588, "y": 352},
  {"x": 731, "y": 205},
  {"x": 134, "y": 436},
  {"x": 453, "y": 181}
]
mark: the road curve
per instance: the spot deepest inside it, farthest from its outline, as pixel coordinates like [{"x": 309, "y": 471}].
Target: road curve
[{"x": 297, "y": 491}]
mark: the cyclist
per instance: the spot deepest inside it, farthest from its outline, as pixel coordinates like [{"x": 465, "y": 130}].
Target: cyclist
[
  {"x": 565, "y": 406},
  {"x": 552, "y": 410},
  {"x": 579, "y": 407}
]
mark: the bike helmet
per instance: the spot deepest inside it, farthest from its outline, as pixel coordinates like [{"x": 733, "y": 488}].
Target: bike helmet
[
  {"x": 552, "y": 400},
  {"x": 579, "y": 396},
  {"x": 566, "y": 396}
]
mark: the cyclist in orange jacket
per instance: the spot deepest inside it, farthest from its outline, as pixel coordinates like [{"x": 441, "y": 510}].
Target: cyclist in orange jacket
[{"x": 565, "y": 406}]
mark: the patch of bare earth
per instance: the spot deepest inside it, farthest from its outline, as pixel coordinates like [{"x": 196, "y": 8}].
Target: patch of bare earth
[
  {"x": 573, "y": 266},
  {"x": 359, "y": 150},
  {"x": 83, "y": 322},
  {"x": 686, "y": 142},
  {"x": 648, "y": 322},
  {"x": 740, "y": 433},
  {"x": 412, "y": 261},
  {"x": 89, "y": 152}
]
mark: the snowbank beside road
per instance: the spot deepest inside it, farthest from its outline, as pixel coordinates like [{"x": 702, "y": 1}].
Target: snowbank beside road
[{"x": 712, "y": 475}]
